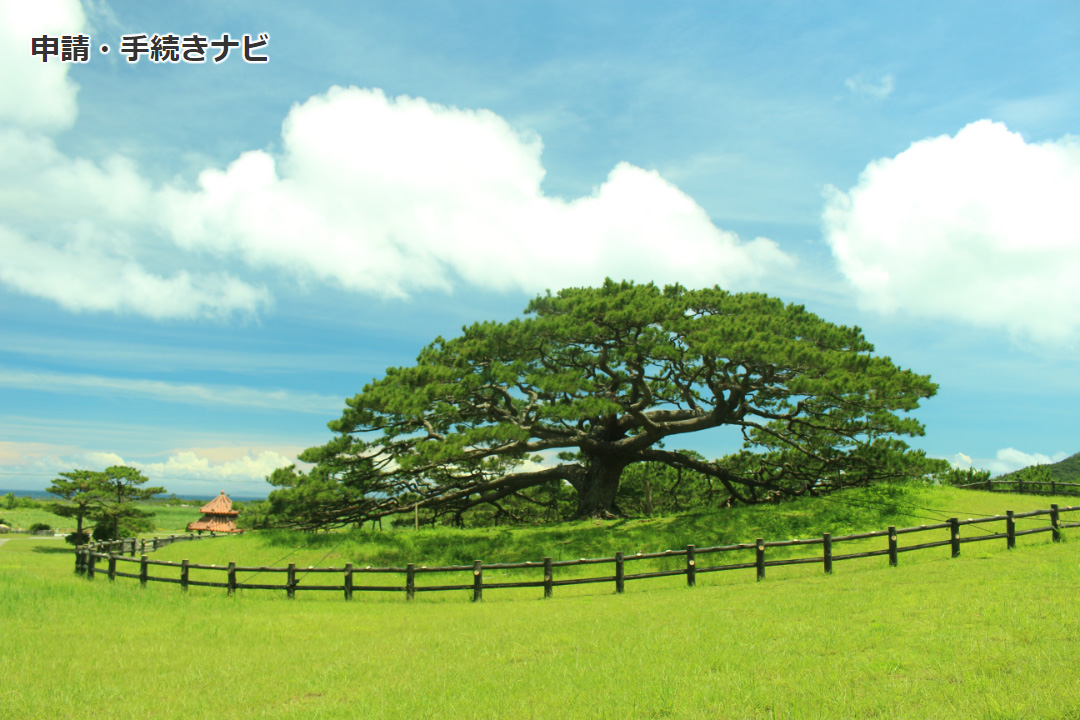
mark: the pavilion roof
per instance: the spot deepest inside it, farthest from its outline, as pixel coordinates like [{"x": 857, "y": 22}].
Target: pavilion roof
[
  {"x": 221, "y": 505},
  {"x": 215, "y": 523}
]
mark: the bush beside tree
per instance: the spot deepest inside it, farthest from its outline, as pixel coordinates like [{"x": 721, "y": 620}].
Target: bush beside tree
[{"x": 958, "y": 476}]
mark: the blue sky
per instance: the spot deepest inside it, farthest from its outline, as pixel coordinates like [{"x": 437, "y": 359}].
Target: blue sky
[{"x": 198, "y": 263}]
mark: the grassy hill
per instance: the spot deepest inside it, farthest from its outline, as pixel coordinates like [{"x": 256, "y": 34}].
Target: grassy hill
[
  {"x": 1067, "y": 470},
  {"x": 854, "y": 510},
  {"x": 986, "y": 635}
]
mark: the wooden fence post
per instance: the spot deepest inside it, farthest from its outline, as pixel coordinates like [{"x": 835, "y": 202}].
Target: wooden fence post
[
  {"x": 348, "y": 581},
  {"x": 1010, "y": 530},
  {"x": 1055, "y": 522},
  {"x": 892, "y": 546},
  {"x": 1020, "y": 485},
  {"x": 112, "y": 567},
  {"x": 142, "y": 548},
  {"x": 232, "y": 578},
  {"x": 691, "y": 566},
  {"x": 290, "y": 581},
  {"x": 760, "y": 560},
  {"x": 954, "y": 536},
  {"x": 619, "y": 573},
  {"x": 989, "y": 486},
  {"x": 547, "y": 577},
  {"x": 477, "y": 581},
  {"x": 826, "y": 542},
  {"x": 78, "y": 559},
  {"x": 410, "y": 581},
  {"x": 90, "y": 562},
  {"x": 1053, "y": 487},
  {"x": 184, "y": 575},
  {"x": 144, "y": 569}
]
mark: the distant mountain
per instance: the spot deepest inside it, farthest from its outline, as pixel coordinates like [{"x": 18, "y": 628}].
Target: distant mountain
[{"x": 1068, "y": 470}]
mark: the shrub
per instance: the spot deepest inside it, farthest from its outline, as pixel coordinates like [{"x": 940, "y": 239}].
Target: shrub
[
  {"x": 40, "y": 528},
  {"x": 956, "y": 476},
  {"x": 81, "y": 538}
]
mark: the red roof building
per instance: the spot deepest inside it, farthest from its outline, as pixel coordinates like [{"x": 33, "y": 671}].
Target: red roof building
[{"x": 218, "y": 516}]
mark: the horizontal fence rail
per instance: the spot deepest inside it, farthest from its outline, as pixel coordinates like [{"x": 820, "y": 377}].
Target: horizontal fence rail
[
  {"x": 87, "y": 555},
  {"x": 1030, "y": 487},
  {"x": 113, "y": 553}
]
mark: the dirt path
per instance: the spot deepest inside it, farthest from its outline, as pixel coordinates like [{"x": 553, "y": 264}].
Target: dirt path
[{"x": 36, "y": 538}]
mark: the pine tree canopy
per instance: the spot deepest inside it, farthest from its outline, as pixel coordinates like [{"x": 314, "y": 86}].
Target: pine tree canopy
[{"x": 593, "y": 380}]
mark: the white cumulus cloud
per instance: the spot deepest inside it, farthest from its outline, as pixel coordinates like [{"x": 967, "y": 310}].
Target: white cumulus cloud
[
  {"x": 390, "y": 195},
  {"x": 36, "y": 94},
  {"x": 77, "y": 233},
  {"x": 1005, "y": 461},
  {"x": 193, "y": 467},
  {"x": 102, "y": 460},
  {"x": 86, "y": 278},
  {"x": 370, "y": 194},
  {"x": 193, "y": 470},
  {"x": 981, "y": 227}
]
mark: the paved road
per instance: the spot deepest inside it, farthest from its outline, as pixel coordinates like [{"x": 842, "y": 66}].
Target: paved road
[{"x": 3, "y": 541}]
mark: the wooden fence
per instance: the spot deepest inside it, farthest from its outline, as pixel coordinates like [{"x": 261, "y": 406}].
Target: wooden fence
[
  {"x": 1046, "y": 487},
  {"x": 87, "y": 557}
]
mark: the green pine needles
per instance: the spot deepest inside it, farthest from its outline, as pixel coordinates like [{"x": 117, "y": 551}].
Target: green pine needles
[{"x": 607, "y": 378}]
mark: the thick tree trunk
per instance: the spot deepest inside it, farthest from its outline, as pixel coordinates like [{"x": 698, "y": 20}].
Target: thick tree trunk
[{"x": 596, "y": 490}]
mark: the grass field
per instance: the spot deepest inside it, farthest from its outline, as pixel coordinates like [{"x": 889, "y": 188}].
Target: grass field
[
  {"x": 167, "y": 518},
  {"x": 992, "y": 634}
]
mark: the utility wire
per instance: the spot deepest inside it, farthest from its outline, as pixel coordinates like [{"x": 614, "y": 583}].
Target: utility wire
[
  {"x": 945, "y": 514},
  {"x": 293, "y": 552},
  {"x": 319, "y": 561},
  {"x": 259, "y": 572},
  {"x": 877, "y": 504}
]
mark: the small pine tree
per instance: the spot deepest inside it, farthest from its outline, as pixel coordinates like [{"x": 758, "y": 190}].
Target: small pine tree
[{"x": 117, "y": 516}]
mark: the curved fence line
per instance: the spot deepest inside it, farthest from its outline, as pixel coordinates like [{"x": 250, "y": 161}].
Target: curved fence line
[
  {"x": 1048, "y": 487},
  {"x": 87, "y": 556}
]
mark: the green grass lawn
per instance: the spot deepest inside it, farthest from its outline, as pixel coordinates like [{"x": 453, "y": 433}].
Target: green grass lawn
[
  {"x": 167, "y": 518},
  {"x": 992, "y": 634}
]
